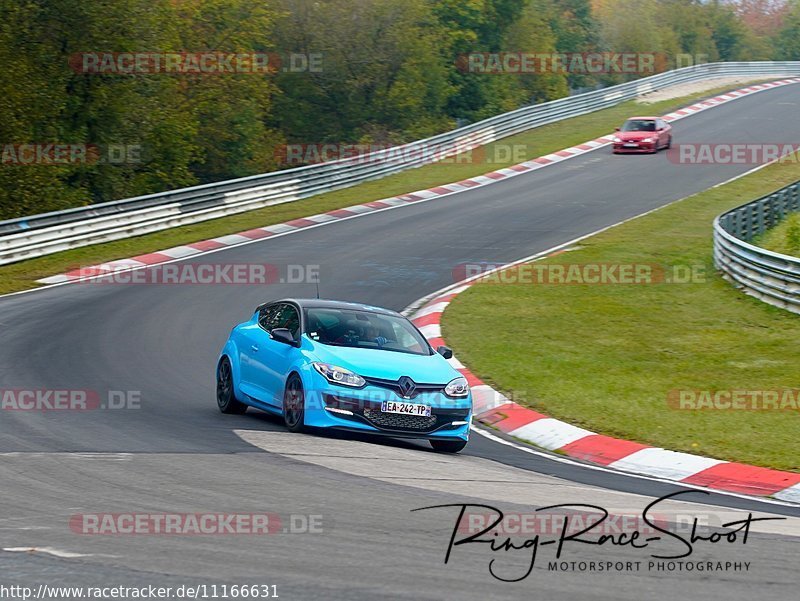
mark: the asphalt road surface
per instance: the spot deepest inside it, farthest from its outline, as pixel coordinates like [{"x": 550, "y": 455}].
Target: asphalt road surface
[{"x": 173, "y": 452}]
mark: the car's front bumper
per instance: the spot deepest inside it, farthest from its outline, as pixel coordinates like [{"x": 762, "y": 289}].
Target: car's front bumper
[
  {"x": 332, "y": 406},
  {"x": 641, "y": 147}
]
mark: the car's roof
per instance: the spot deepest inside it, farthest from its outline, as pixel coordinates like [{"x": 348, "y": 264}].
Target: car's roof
[
  {"x": 322, "y": 303},
  {"x": 644, "y": 118}
]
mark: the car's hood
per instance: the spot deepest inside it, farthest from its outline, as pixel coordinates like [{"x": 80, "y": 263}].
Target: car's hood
[
  {"x": 626, "y": 136},
  {"x": 389, "y": 365}
]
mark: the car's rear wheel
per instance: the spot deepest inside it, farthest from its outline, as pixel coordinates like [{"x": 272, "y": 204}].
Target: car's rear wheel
[
  {"x": 294, "y": 404},
  {"x": 226, "y": 400},
  {"x": 669, "y": 143},
  {"x": 448, "y": 446}
]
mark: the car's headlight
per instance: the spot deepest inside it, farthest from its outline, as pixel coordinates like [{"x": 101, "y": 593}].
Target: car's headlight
[
  {"x": 457, "y": 388},
  {"x": 647, "y": 140},
  {"x": 339, "y": 375},
  {"x": 617, "y": 139}
]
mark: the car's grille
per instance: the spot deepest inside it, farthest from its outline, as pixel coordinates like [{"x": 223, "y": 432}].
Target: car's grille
[
  {"x": 370, "y": 412},
  {"x": 395, "y": 421},
  {"x": 394, "y": 386}
]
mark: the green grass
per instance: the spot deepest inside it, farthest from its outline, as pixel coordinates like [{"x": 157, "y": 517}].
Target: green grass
[
  {"x": 604, "y": 357},
  {"x": 543, "y": 140},
  {"x": 784, "y": 238}
]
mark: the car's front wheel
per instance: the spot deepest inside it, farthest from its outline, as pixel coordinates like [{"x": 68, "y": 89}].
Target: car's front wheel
[
  {"x": 448, "y": 446},
  {"x": 294, "y": 404},
  {"x": 226, "y": 400}
]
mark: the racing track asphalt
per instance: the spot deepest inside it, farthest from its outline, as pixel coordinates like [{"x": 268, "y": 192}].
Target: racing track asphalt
[{"x": 163, "y": 341}]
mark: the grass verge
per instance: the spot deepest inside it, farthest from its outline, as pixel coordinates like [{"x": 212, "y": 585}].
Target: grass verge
[
  {"x": 531, "y": 144},
  {"x": 784, "y": 238},
  {"x": 608, "y": 357}
]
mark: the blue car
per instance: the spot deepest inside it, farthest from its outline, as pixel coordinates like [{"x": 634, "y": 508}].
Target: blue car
[{"x": 331, "y": 364}]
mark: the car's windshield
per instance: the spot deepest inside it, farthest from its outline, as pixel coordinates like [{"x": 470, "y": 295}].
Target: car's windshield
[
  {"x": 639, "y": 125},
  {"x": 362, "y": 329}
]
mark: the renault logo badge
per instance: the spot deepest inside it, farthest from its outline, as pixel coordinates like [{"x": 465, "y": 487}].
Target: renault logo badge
[{"x": 407, "y": 387}]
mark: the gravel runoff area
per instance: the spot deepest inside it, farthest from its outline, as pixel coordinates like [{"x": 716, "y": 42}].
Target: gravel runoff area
[{"x": 686, "y": 89}]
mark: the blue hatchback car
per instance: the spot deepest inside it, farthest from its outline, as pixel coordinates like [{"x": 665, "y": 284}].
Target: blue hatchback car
[{"x": 332, "y": 364}]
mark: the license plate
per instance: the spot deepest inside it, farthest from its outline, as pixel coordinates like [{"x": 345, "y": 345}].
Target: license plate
[
  {"x": 405, "y": 408},
  {"x": 630, "y": 145}
]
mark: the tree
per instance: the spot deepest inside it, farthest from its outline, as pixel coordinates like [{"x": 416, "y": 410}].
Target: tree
[
  {"x": 30, "y": 101},
  {"x": 533, "y": 31},
  {"x": 787, "y": 42},
  {"x": 229, "y": 111},
  {"x": 383, "y": 78}
]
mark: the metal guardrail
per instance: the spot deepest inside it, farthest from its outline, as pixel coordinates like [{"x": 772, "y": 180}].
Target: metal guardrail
[
  {"x": 38, "y": 235},
  {"x": 772, "y": 277}
]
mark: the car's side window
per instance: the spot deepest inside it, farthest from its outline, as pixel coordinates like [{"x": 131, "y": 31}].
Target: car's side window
[
  {"x": 287, "y": 317},
  {"x": 266, "y": 318}
]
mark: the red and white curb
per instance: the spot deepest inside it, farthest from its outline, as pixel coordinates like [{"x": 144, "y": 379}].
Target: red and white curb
[
  {"x": 180, "y": 252},
  {"x": 493, "y": 409}
]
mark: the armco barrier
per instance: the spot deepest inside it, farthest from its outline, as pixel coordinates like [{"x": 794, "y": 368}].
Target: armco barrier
[
  {"x": 772, "y": 277},
  {"x": 38, "y": 235}
]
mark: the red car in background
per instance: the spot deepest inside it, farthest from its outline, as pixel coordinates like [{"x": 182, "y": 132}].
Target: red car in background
[{"x": 642, "y": 134}]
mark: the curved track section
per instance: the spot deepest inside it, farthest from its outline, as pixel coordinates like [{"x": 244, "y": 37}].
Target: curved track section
[{"x": 177, "y": 453}]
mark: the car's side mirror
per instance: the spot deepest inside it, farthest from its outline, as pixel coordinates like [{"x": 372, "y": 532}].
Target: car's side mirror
[
  {"x": 283, "y": 335},
  {"x": 445, "y": 351},
  {"x": 616, "y": 129}
]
